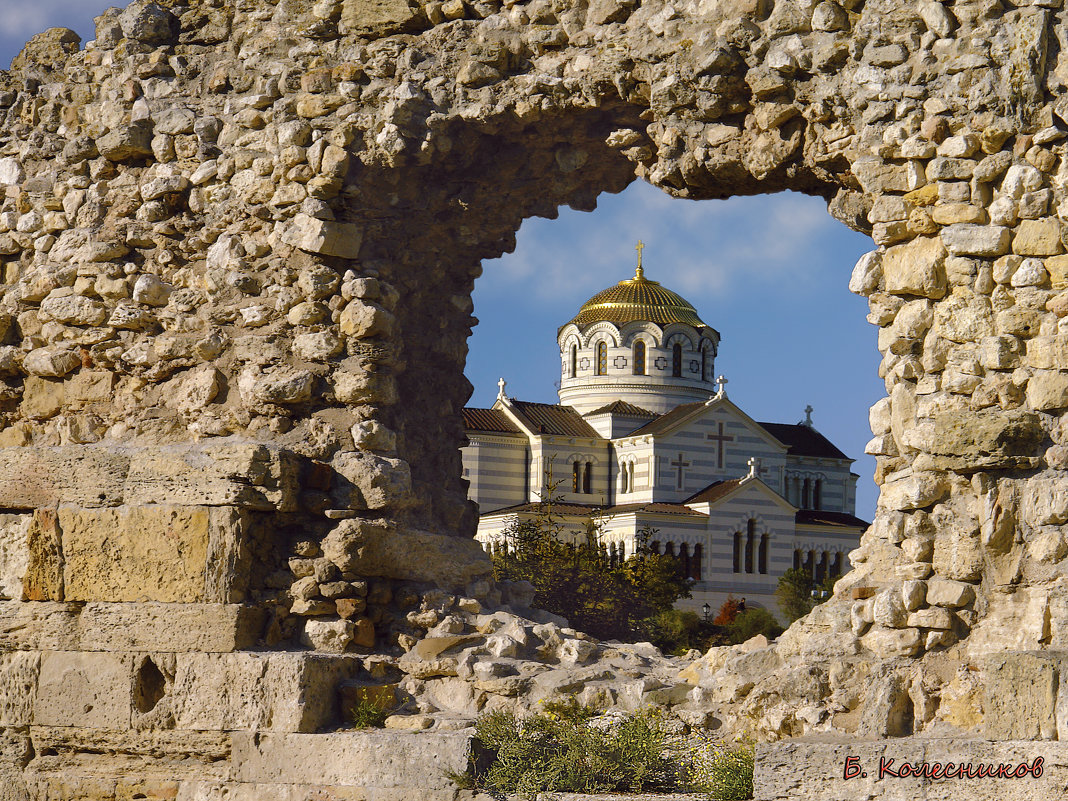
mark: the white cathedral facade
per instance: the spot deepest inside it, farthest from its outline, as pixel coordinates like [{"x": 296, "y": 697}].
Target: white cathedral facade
[{"x": 645, "y": 438}]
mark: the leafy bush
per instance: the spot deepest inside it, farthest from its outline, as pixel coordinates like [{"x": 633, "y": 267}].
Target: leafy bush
[
  {"x": 674, "y": 631},
  {"x": 794, "y": 592},
  {"x": 725, "y": 772},
  {"x": 728, "y": 611},
  {"x": 752, "y": 622},
  {"x": 561, "y": 751}
]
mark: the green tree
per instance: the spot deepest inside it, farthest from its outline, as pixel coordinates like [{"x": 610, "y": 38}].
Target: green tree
[
  {"x": 576, "y": 579},
  {"x": 794, "y": 592}
]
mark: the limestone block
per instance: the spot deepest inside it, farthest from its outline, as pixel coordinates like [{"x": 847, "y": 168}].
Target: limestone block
[
  {"x": 886, "y": 643},
  {"x": 193, "y": 389},
  {"x": 958, "y": 557},
  {"x": 329, "y": 636},
  {"x": 18, "y": 681},
  {"x": 974, "y": 439},
  {"x": 1038, "y": 237},
  {"x": 54, "y": 361},
  {"x": 934, "y": 618},
  {"x": 1047, "y": 389},
  {"x": 43, "y": 477},
  {"x": 89, "y": 386},
  {"x": 271, "y": 691},
  {"x": 359, "y": 319},
  {"x": 867, "y": 273},
  {"x": 1048, "y": 352},
  {"x": 39, "y": 626},
  {"x": 14, "y": 554},
  {"x": 166, "y": 553},
  {"x": 73, "y": 309},
  {"x": 126, "y": 143},
  {"x": 946, "y": 592},
  {"x": 146, "y": 627},
  {"x": 42, "y": 398},
  {"x": 1044, "y": 501},
  {"x": 1020, "y": 695},
  {"x": 379, "y": 759},
  {"x": 83, "y": 689},
  {"x": 912, "y": 491},
  {"x": 221, "y": 472},
  {"x": 964, "y": 317},
  {"x": 916, "y": 268},
  {"x": 369, "y": 481},
  {"x": 371, "y": 550},
  {"x": 976, "y": 240},
  {"x": 43, "y": 579},
  {"x": 11, "y": 172},
  {"x": 324, "y": 236},
  {"x": 1017, "y": 621}
]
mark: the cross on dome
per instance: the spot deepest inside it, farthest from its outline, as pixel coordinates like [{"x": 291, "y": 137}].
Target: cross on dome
[
  {"x": 808, "y": 416},
  {"x": 639, "y": 272}
]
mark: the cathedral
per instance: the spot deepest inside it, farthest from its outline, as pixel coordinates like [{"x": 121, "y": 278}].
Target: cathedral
[{"x": 644, "y": 439}]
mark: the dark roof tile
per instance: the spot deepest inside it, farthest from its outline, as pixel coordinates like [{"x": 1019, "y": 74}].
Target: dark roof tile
[
  {"x": 488, "y": 420},
  {"x": 801, "y": 440},
  {"x": 713, "y": 492},
  {"x": 821, "y": 517},
  {"x": 622, "y": 408},
  {"x": 553, "y": 419}
]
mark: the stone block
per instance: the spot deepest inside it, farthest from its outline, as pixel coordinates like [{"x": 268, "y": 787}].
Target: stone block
[
  {"x": 43, "y": 579},
  {"x": 379, "y": 759},
  {"x": 916, "y": 268},
  {"x": 1038, "y": 237},
  {"x": 81, "y": 474},
  {"x": 18, "y": 681},
  {"x": 1020, "y": 695},
  {"x": 224, "y": 472},
  {"x": 172, "y": 554},
  {"x": 81, "y": 689},
  {"x": 1048, "y": 353},
  {"x": 1047, "y": 389},
  {"x": 14, "y": 554},
  {"x": 976, "y": 240},
  {"x": 39, "y": 626},
  {"x": 946, "y": 592},
  {"x": 324, "y": 236},
  {"x": 146, "y": 627},
  {"x": 282, "y": 692}
]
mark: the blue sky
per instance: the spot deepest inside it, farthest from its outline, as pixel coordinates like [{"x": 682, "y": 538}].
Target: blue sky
[{"x": 768, "y": 272}]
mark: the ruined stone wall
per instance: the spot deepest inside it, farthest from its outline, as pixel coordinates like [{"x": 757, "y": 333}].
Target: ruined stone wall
[{"x": 237, "y": 245}]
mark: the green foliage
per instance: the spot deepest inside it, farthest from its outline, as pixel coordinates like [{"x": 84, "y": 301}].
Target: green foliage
[
  {"x": 674, "y": 631},
  {"x": 554, "y": 752},
  {"x": 576, "y": 581},
  {"x": 752, "y": 622},
  {"x": 728, "y": 611},
  {"x": 367, "y": 714},
  {"x": 725, "y": 772},
  {"x": 794, "y": 592}
]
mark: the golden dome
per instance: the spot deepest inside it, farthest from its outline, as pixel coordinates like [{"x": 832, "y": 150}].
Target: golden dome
[{"x": 637, "y": 298}]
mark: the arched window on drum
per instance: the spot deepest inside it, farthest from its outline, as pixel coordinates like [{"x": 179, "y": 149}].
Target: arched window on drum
[
  {"x": 639, "y": 358},
  {"x": 602, "y": 358}
]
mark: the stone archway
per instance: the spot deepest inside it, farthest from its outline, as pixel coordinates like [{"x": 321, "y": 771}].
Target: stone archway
[{"x": 238, "y": 244}]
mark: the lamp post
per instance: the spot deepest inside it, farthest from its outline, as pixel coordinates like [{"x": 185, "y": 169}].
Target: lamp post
[{"x": 707, "y": 610}]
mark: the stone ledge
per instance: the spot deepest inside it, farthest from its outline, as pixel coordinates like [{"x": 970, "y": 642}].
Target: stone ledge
[{"x": 812, "y": 770}]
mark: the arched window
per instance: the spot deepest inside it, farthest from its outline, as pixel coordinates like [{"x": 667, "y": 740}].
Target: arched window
[
  {"x": 684, "y": 560},
  {"x": 654, "y": 547},
  {"x": 676, "y": 360},
  {"x": 624, "y": 474},
  {"x": 836, "y": 566},
  {"x": 587, "y": 479},
  {"x": 630, "y": 471},
  {"x": 806, "y": 494},
  {"x": 763, "y": 560},
  {"x": 669, "y": 549},
  {"x": 704, "y": 363},
  {"x": 695, "y": 562},
  {"x": 602, "y": 358},
  {"x": 574, "y": 361},
  {"x": 797, "y": 559},
  {"x": 737, "y": 552},
  {"x": 817, "y": 494},
  {"x": 639, "y": 358},
  {"x": 576, "y": 478},
  {"x": 750, "y": 544}
]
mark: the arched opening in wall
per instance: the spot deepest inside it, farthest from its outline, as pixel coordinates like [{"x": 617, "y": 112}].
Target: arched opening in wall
[{"x": 768, "y": 275}]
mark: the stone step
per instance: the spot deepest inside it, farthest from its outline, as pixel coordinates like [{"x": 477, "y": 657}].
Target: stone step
[{"x": 816, "y": 770}]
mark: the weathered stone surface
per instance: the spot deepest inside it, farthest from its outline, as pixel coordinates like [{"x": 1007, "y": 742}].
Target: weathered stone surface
[
  {"x": 916, "y": 268},
  {"x": 42, "y": 477},
  {"x": 147, "y": 627},
  {"x": 166, "y": 553},
  {"x": 324, "y": 237},
  {"x": 83, "y": 689},
  {"x": 378, "y": 759},
  {"x": 969, "y": 441},
  {"x": 281, "y": 692}
]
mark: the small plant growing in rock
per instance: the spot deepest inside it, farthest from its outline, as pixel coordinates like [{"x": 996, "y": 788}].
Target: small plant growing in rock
[
  {"x": 724, "y": 771},
  {"x": 564, "y": 750},
  {"x": 370, "y": 709}
]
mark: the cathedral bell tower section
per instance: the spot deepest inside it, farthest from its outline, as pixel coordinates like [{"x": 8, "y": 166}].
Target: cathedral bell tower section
[{"x": 637, "y": 342}]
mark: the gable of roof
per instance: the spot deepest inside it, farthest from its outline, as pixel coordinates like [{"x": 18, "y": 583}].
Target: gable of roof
[
  {"x": 722, "y": 490},
  {"x": 489, "y": 420},
  {"x": 667, "y": 421},
  {"x": 553, "y": 419},
  {"x": 714, "y": 491},
  {"x": 623, "y": 409},
  {"x": 803, "y": 440},
  {"x": 820, "y": 517},
  {"x": 654, "y": 507}
]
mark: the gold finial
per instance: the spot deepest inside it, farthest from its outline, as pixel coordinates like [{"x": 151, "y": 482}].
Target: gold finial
[{"x": 639, "y": 273}]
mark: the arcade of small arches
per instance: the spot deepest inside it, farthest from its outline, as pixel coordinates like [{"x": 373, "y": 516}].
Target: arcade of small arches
[
  {"x": 819, "y": 564},
  {"x": 804, "y": 490},
  {"x": 649, "y": 354},
  {"x": 751, "y": 549}
]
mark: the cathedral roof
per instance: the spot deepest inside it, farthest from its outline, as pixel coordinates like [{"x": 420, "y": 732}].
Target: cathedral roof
[
  {"x": 624, "y": 409},
  {"x": 821, "y": 517},
  {"x": 488, "y": 420},
  {"x": 637, "y": 299},
  {"x": 713, "y": 492},
  {"x": 803, "y": 440},
  {"x": 551, "y": 418}
]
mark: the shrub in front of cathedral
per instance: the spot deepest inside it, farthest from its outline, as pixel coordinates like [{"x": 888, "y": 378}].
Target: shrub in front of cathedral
[
  {"x": 578, "y": 581},
  {"x": 795, "y": 592}
]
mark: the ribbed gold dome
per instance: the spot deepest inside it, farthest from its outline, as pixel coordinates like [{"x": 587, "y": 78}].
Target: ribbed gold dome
[{"x": 637, "y": 298}]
